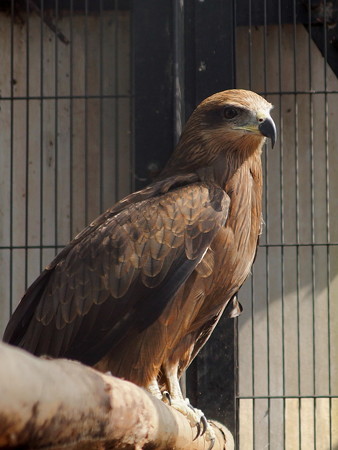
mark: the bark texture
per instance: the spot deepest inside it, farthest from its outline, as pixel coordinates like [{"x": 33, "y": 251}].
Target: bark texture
[{"x": 57, "y": 402}]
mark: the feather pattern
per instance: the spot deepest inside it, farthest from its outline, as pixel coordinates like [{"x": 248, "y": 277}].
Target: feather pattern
[
  {"x": 127, "y": 251},
  {"x": 139, "y": 291}
]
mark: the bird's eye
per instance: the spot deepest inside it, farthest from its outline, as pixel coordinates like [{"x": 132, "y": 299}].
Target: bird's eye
[{"x": 230, "y": 112}]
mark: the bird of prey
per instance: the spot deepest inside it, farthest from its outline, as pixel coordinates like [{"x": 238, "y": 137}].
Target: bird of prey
[{"x": 139, "y": 291}]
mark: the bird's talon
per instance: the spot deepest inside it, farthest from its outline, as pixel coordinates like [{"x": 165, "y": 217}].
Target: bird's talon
[
  {"x": 198, "y": 426},
  {"x": 205, "y": 424},
  {"x": 212, "y": 443},
  {"x": 166, "y": 397},
  {"x": 195, "y": 417}
]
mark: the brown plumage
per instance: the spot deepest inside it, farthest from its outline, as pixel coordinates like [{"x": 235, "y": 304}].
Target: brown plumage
[{"x": 139, "y": 291}]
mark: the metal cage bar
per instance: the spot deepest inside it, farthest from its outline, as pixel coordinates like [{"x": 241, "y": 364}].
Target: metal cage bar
[{"x": 100, "y": 73}]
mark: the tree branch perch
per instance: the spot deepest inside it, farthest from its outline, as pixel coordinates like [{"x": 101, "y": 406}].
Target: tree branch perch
[{"x": 57, "y": 402}]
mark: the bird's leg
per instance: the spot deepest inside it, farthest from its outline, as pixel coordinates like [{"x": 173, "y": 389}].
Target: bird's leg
[
  {"x": 154, "y": 389},
  {"x": 173, "y": 384},
  {"x": 175, "y": 398}
]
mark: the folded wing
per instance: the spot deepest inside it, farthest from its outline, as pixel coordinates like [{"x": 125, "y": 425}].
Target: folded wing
[{"x": 118, "y": 275}]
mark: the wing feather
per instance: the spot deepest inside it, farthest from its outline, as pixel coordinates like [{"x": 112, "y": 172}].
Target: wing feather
[
  {"x": 69, "y": 310},
  {"x": 119, "y": 274}
]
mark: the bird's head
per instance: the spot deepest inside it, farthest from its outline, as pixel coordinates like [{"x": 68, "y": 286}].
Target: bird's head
[
  {"x": 234, "y": 119},
  {"x": 237, "y": 117},
  {"x": 234, "y": 123}
]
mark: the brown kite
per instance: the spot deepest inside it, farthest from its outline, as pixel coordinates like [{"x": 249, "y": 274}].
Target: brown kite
[{"x": 139, "y": 291}]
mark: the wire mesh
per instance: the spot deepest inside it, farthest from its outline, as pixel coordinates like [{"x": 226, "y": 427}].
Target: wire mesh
[
  {"x": 65, "y": 111},
  {"x": 288, "y": 394}
]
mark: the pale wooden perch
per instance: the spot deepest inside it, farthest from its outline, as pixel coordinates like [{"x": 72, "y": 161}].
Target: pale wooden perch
[{"x": 49, "y": 403}]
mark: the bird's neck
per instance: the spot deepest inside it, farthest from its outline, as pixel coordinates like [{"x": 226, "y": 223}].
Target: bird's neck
[
  {"x": 225, "y": 169},
  {"x": 218, "y": 165},
  {"x": 248, "y": 175},
  {"x": 228, "y": 169}
]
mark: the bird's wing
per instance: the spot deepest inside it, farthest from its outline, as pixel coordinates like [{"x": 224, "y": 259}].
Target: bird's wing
[
  {"x": 232, "y": 309},
  {"x": 116, "y": 278}
]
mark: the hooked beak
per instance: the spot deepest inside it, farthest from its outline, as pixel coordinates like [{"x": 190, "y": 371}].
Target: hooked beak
[{"x": 268, "y": 129}]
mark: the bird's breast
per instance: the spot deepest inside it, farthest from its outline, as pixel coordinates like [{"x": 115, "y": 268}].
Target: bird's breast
[{"x": 234, "y": 246}]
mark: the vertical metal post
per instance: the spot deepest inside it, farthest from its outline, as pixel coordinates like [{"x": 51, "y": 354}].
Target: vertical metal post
[{"x": 179, "y": 64}]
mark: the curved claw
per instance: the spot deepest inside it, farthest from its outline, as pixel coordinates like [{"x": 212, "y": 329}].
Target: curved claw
[
  {"x": 167, "y": 396},
  {"x": 204, "y": 423},
  {"x": 212, "y": 443},
  {"x": 198, "y": 426}
]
